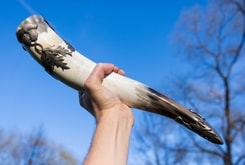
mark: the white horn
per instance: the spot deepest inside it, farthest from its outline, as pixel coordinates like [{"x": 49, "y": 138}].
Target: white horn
[{"x": 63, "y": 62}]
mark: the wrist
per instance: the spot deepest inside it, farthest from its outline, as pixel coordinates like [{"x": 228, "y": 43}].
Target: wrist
[
  {"x": 115, "y": 115},
  {"x": 111, "y": 138}
]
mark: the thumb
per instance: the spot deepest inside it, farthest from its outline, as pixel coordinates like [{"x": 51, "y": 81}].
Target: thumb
[{"x": 95, "y": 79}]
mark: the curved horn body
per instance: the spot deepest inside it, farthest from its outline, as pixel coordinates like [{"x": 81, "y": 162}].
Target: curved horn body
[{"x": 63, "y": 62}]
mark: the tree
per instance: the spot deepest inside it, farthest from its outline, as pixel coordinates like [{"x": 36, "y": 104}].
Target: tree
[
  {"x": 33, "y": 149},
  {"x": 211, "y": 39}
]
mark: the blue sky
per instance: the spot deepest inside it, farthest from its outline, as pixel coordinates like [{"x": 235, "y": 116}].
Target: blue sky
[{"x": 132, "y": 34}]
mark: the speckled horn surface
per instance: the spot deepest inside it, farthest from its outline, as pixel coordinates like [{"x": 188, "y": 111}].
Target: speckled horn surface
[{"x": 66, "y": 64}]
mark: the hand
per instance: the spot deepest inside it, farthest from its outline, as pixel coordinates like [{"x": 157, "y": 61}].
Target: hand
[
  {"x": 99, "y": 100},
  {"x": 114, "y": 119}
]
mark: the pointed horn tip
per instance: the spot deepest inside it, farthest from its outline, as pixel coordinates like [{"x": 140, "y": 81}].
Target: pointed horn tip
[
  {"x": 190, "y": 119},
  {"x": 211, "y": 136},
  {"x": 217, "y": 140}
]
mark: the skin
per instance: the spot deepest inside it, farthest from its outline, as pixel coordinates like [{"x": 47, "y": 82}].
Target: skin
[{"x": 114, "y": 120}]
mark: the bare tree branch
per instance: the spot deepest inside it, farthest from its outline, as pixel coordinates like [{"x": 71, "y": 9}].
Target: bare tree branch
[{"x": 212, "y": 40}]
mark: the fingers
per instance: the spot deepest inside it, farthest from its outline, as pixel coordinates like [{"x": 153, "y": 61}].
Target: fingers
[
  {"x": 83, "y": 99},
  {"x": 94, "y": 92},
  {"x": 98, "y": 74},
  {"x": 97, "y": 99},
  {"x": 85, "y": 102},
  {"x": 119, "y": 71},
  {"x": 101, "y": 70}
]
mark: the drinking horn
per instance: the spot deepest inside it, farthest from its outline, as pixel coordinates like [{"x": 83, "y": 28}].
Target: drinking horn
[{"x": 66, "y": 64}]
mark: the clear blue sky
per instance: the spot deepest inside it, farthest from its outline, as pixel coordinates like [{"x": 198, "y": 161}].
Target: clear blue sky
[{"x": 132, "y": 34}]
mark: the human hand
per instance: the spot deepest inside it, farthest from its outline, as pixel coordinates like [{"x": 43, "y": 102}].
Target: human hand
[
  {"x": 114, "y": 119},
  {"x": 99, "y": 100}
]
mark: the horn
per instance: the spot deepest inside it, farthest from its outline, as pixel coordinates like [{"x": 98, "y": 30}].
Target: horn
[{"x": 66, "y": 64}]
